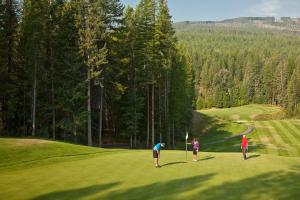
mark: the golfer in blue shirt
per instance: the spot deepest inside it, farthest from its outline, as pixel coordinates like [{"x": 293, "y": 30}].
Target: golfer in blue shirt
[{"x": 156, "y": 153}]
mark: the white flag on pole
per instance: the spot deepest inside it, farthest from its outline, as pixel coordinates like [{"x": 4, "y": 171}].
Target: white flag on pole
[{"x": 187, "y": 135}]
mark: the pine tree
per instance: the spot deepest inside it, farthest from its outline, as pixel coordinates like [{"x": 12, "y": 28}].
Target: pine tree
[
  {"x": 293, "y": 93},
  {"x": 68, "y": 77},
  {"x": 145, "y": 29},
  {"x": 8, "y": 65},
  {"x": 165, "y": 45},
  {"x": 91, "y": 26},
  {"x": 33, "y": 49}
]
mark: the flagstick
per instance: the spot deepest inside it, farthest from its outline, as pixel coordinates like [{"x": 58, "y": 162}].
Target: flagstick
[
  {"x": 185, "y": 149},
  {"x": 186, "y": 137}
]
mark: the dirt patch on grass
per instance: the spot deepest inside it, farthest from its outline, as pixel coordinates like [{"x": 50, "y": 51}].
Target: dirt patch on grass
[
  {"x": 29, "y": 142},
  {"x": 266, "y": 127},
  {"x": 241, "y": 121},
  {"x": 264, "y": 140},
  {"x": 235, "y": 117},
  {"x": 253, "y": 116}
]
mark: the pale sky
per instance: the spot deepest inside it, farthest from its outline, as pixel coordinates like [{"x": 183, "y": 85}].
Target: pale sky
[{"x": 199, "y": 10}]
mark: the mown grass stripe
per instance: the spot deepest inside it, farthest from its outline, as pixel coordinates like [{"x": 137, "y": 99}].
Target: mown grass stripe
[
  {"x": 295, "y": 128},
  {"x": 292, "y": 130},
  {"x": 287, "y": 134},
  {"x": 267, "y": 139},
  {"x": 275, "y": 139},
  {"x": 256, "y": 135},
  {"x": 281, "y": 133}
]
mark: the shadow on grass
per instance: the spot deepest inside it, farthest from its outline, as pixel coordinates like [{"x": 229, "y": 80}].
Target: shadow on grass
[
  {"x": 212, "y": 134},
  {"x": 206, "y": 158},
  {"x": 211, "y": 130},
  {"x": 38, "y": 160},
  {"x": 252, "y": 156},
  {"x": 173, "y": 163},
  {"x": 161, "y": 190},
  {"x": 271, "y": 185},
  {"x": 232, "y": 145},
  {"x": 76, "y": 193}
]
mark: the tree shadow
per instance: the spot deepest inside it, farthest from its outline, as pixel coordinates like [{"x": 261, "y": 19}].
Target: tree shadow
[
  {"x": 206, "y": 158},
  {"x": 173, "y": 163},
  {"x": 206, "y": 125},
  {"x": 161, "y": 190},
  {"x": 253, "y": 156},
  {"x": 212, "y": 134},
  {"x": 271, "y": 185},
  {"x": 76, "y": 193},
  {"x": 211, "y": 130}
]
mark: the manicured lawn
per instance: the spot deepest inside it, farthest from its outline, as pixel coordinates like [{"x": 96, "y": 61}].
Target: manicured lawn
[
  {"x": 42, "y": 169},
  {"x": 247, "y": 112},
  {"x": 278, "y": 137},
  {"x": 130, "y": 175}
]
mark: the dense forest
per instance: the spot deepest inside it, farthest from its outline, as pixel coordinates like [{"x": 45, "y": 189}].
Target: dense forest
[
  {"x": 97, "y": 73},
  {"x": 93, "y": 72},
  {"x": 236, "y": 64}
]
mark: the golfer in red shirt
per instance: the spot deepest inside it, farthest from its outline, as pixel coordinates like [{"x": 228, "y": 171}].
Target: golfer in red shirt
[{"x": 244, "y": 146}]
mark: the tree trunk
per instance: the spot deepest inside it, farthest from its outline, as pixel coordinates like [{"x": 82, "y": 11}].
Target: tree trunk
[
  {"x": 135, "y": 140},
  {"x": 75, "y": 133},
  {"x": 53, "y": 111},
  {"x": 52, "y": 71},
  {"x": 159, "y": 113},
  {"x": 152, "y": 115},
  {"x": 34, "y": 98},
  {"x": 24, "y": 111},
  {"x": 148, "y": 114},
  {"x": 167, "y": 110},
  {"x": 100, "y": 117},
  {"x": 173, "y": 135},
  {"x": 89, "y": 110}
]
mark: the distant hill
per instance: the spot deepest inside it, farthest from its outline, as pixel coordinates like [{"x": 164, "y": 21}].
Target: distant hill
[{"x": 283, "y": 23}]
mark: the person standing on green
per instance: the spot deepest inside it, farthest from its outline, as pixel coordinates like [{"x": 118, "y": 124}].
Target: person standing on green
[
  {"x": 244, "y": 146},
  {"x": 195, "y": 144},
  {"x": 156, "y": 153}
]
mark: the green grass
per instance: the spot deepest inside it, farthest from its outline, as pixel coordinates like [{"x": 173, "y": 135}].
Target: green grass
[
  {"x": 271, "y": 135},
  {"x": 31, "y": 150},
  {"x": 278, "y": 137},
  {"x": 210, "y": 128},
  {"x": 131, "y": 175},
  {"x": 42, "y": 169},
  {"x": 248, "y": 112}
]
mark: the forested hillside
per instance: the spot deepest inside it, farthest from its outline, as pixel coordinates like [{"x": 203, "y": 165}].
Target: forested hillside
[
  {"x": 237, "y": 64},
  {"x": 93, "y": 72}
]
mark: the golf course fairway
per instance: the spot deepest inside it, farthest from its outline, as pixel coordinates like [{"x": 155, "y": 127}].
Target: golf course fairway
[
  {"x": 130, "y": 174},
  {"x": 41, "y": 169}
]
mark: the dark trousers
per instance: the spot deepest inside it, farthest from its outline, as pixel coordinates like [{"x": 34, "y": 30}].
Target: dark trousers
[{"x": 244, "y": 152}]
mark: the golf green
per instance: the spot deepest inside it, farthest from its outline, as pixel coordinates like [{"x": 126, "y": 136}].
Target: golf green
[{"x": 130, "y": 174}]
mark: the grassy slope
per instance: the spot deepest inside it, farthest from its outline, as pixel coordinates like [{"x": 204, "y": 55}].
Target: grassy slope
[
  {"x": 21, "y": 151},
  {"x": 278, "y": 137},
  {"x": 248, "y": 112},
  {"x": 37, "y": 169},
  {"x": 131, "y": 175}
]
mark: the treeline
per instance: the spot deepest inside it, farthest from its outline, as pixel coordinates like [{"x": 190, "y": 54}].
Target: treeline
[
  {"x": 236, "y": 66},
  {"x": 93, "y": 72}
]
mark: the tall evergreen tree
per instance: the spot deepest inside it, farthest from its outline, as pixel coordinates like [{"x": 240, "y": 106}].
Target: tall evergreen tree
[
  {"x": 8, "y": 65},
  {"x": 91, "y": 26},
  {"x": 33, "y": 49}
]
